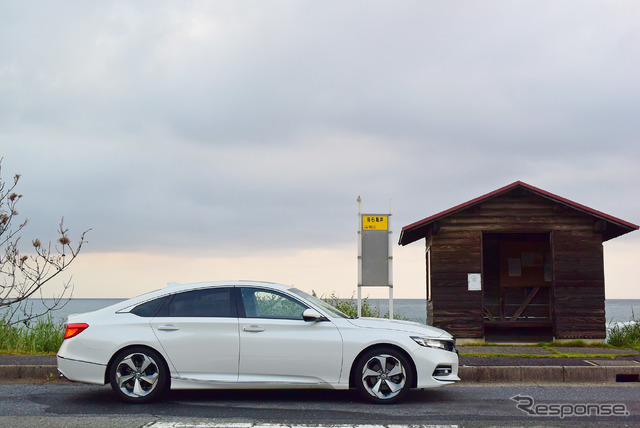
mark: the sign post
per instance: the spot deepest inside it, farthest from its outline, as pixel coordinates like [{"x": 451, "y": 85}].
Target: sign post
[{"x": 375, "y": 259}]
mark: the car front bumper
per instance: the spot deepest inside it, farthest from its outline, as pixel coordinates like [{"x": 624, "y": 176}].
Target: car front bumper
[{"x": 435, "y": 367}]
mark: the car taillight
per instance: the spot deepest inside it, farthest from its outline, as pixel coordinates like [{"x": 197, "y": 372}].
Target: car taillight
[{"x": 74, "y": 329}]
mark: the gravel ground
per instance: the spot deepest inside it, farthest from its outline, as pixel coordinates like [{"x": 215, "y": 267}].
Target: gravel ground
[
  {"x": 579, "y": 350},
  {"x": 532, "y": 350}
]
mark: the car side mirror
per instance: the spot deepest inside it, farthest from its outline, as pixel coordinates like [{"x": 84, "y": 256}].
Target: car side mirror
[{"x": 311, "y": 315}]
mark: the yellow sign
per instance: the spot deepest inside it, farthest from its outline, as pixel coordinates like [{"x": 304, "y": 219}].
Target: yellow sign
[{"x": 375, "y": 222}]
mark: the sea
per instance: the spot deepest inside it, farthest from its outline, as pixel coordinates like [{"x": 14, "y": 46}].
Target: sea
[{"x": 617, "y": 310}]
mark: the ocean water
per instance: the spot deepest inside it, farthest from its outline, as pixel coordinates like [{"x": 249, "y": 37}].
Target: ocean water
[{"x": 618, "y": 310}]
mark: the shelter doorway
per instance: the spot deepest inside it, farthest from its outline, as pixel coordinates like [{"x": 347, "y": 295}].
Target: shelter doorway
[{"x": 518, "y": 287}]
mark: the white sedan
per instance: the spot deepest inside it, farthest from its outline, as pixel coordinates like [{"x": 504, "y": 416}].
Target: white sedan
[{"x": 250, "y": 335}]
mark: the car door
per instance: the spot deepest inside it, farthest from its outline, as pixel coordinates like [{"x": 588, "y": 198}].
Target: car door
[
  {"x": 198, "y": 331},
  {"x": 277, "y": 345}
]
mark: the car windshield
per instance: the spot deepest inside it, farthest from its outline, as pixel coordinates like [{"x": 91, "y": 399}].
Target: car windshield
[{"x": 319, "y": 302}]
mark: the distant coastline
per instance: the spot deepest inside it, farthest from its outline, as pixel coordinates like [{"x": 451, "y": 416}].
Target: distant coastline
[{"x": 617, "y": 310}]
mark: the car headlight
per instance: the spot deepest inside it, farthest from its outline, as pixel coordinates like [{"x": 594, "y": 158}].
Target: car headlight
[{"x": 446, "y": 345}]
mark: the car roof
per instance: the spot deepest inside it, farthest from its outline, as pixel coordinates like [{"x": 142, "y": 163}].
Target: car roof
[
  {"x": 175, "y": 287},
  {"x": 236, "y": 283}
]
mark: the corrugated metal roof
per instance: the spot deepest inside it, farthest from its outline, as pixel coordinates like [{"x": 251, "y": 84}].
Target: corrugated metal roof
[{"x": 413, "y": 231}]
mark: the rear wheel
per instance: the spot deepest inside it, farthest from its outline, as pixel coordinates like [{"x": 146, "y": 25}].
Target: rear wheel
[
  {"x": 138, "y": 375},
  {"x": 383, "y": 375}
]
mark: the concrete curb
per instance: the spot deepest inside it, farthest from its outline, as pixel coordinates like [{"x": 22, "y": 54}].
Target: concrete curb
[
  {"x": 549, "y": 374},
  {"x": 468, "y": 374},
  {"x": 29, "y": 372}
]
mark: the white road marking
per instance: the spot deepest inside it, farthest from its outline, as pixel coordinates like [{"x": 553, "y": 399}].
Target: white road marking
[{"x": 161, "y": 424}]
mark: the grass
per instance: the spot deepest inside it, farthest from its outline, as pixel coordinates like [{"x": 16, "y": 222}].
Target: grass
[
  {"x": 569, "y": 344},
  {"x": 621, "y": 336},
  {"x": 556, "y": 354},
  {"x": 577, "y": 344},
  {"x": 350, "y": 307},
  {"x": 626, "y": 335},
  {"x": 43, "y": 337},
  {"x": 523, "y": 345}
]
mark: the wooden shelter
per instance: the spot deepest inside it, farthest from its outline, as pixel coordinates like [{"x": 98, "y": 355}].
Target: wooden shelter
[{"x": 518, "y": 263}]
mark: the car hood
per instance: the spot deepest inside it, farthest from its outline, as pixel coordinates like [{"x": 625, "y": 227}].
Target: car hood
[{"x": 405, "y": 326}]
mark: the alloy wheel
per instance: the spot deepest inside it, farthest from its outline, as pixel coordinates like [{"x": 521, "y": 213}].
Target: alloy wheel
[
  {"x": 383, "y": 376},
  {"x": 137, "y": 375}
]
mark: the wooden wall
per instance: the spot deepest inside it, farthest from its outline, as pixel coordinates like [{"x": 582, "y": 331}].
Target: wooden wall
[
  {"x": 456, "y": 250},
  {"x": 455, "y": 253},
  {"x": 579, "y": 285}
]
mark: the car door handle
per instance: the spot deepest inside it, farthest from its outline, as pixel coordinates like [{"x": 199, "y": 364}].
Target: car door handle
[
  {"x": 253, "y": 329},
  {"x": 168, "y": 327}
]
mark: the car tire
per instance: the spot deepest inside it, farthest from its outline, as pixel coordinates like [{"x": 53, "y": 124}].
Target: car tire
[
  {"x": 383, "y": 375},
  {"x": 138, "y": 375}
]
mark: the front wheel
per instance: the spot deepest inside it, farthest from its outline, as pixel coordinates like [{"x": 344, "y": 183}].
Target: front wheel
[
  {"x": 383, "y": 375},
  {"x": 138, "y": 375}
]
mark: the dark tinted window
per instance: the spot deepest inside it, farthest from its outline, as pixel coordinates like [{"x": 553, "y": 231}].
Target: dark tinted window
[
  {"x": 148, "y": 309},
  {"x": 259, "y": 303},
  {"x": 212, "y": 302}
]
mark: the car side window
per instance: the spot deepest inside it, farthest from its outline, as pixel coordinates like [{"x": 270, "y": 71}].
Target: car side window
[
  {"x": 148, "y": 309},
  {"x": 211, "y": 302},
  {"x": 260, "y": 303}
]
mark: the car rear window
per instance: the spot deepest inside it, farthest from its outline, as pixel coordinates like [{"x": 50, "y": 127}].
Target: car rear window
[{"x": 148, "y": 309}]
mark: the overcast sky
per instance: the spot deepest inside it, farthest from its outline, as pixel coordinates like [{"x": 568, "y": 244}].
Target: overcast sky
[{"x": 230, "y": 140}]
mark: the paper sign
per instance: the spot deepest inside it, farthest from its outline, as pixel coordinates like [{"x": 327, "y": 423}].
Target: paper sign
[{"x": 475, "y": 281}]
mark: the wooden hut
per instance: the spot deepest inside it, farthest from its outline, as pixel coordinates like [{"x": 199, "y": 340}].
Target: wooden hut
[{"x": 518, "y": 263}]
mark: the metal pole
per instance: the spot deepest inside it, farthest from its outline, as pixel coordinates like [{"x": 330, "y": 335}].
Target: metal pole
[
  {"x": 390, "y": 264},
  {"x": 359, "y": 257}
]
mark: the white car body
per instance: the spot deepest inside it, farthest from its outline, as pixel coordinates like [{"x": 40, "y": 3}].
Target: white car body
[{"x": 251, "y": 352}]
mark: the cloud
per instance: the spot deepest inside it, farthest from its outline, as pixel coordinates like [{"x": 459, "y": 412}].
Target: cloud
[{"x": 246, "y": 128}]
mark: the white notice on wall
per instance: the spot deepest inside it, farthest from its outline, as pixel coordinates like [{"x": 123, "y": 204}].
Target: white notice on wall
[{"x": 475, "y": 281}]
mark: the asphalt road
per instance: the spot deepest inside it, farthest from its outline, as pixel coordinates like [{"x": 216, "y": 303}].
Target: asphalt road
[{"x": 61, "y": 403}]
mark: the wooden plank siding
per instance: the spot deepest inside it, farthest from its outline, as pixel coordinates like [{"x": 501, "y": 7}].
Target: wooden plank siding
[
  {"x": 578, "y": 266},
  {"x": 455, "y": 252},
  {"x": 578, "y": 283}
]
